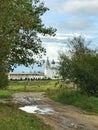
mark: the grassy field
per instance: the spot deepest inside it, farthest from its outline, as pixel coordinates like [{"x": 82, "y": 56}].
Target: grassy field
[
  {"x": 13, "y": 119},
  {"x": 35, "y": 85},
  {"x": 27, "y": 86}
]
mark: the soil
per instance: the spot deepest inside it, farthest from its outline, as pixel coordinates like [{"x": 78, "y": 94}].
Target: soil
[{"x": 66, "y": 117}]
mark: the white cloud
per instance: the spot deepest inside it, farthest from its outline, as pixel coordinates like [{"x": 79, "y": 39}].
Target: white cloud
[
  {"x": 52, "y": 50},
  {"x": 69, "y": 16},
  {"x": 59, "y": 36},
  {"x": 85, "y": 7},
  {"x": 78, "y": 24},
  {"x": 80, "y": 7},
  {"x": 53, "y": 4}
]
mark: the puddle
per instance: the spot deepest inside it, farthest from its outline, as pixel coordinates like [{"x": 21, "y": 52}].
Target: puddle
[
  {"x": 27, "y": 100},
  {"x": 37, "y": 109}
]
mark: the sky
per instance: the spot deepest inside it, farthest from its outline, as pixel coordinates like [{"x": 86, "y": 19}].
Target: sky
[{"x": 70, "y": 18}]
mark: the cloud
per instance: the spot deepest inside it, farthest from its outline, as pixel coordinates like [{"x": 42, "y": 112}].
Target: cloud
[
  {"x": 52, "y": 50},
  {"x": 80, "y": 7},
  {"x": 69, "y": 16},
  {"x": 53, "y": 47},
  {"x": 60, "y": 37},
  {"x": 53, "y": 4},
  {"x": 78, "y": 24}
]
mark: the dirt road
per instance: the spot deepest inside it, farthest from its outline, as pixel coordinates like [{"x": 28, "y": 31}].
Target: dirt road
[{"x": 64, "y": 117}]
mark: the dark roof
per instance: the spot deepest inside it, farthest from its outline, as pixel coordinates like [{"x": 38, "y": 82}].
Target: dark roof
[{"x": 47, "y": 62}]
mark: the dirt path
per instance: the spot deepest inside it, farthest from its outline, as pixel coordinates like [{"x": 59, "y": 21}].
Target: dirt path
[{"x": 65, "y": 117}]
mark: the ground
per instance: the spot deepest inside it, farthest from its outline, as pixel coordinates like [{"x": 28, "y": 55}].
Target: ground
[{"x": 65, "y": 117}]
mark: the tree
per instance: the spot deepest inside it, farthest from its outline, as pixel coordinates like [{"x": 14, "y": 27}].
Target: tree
[
  {"x": 20, "y": 26},
  {"x": 65, "y": 69},
  {"x": 81, "y": 66}
]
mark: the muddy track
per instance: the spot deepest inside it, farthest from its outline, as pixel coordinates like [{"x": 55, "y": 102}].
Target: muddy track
[{"x": 65, "y": 117}]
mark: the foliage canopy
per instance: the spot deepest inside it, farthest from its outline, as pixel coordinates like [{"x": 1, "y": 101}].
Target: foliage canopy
[{"x": 20, "y": 26}]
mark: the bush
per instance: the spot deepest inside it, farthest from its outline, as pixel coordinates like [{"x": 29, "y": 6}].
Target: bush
[{"x": 81, "y": 67}]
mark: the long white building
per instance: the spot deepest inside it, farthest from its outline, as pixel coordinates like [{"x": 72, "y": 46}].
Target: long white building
[{"x": 24, "y": 76}]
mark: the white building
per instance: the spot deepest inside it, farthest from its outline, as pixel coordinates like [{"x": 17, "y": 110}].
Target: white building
[
  {"x": 24, "y": 76},
  {"x": 51, "y": 70}
]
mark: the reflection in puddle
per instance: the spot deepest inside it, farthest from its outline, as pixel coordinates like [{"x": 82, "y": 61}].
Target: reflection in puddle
[
  {"x": 38, "y": 110},
  {"x": 27, "y": 100}
]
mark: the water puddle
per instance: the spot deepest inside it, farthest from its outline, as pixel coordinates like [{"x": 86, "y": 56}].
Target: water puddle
[
  {"x": 27, "y": 100},
  {"x": 37, "y": 109}
]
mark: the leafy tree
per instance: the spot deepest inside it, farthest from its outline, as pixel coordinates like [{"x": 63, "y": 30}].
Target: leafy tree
[
  {"x": 65, "y": 69},
  {"x": 20, "y": 26},
  {"x": 81, "y": 66}
]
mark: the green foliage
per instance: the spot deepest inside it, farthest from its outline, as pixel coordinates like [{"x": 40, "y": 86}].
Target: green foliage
[
  {"x": 20, "y": 26},
  {"x": 81, "y": 67},
  {"x": 13, "y": 119},
  {"x": 65, "y": 68}
]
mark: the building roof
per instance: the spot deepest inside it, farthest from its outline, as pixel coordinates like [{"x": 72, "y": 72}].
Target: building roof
[
  {"x": 47, "y": 63},
  {"x": 25, "y": 74}
]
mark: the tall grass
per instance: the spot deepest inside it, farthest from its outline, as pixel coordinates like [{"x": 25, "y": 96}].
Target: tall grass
[{"x": 69, "y": 95}]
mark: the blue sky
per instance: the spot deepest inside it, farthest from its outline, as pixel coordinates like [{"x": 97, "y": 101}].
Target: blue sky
[{"x": 69, "y": 17}]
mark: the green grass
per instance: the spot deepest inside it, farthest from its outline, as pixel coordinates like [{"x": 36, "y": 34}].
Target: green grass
[
  {"x": 32, "y": 86},
  {"x": 72, "y": 97},
  {"x": 67, "y": 94},
  {"x": 58, "y": 91},
  {"x": 14, "y": 119},
  {"x": 27, "y": 86},
  {"x": 5, "y": 93}
]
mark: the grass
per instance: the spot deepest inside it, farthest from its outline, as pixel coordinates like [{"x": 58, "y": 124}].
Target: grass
[
  {"x": 13, "y": 119},
  {"x": 72, "y": 97},
  {"x": 5, "y": 94},
  {"x": 58, "y": 91},
  {"x": 27, "y": 86},
  {"x": 89, "y": 104},
  {"x": 32, "y": 86}
]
